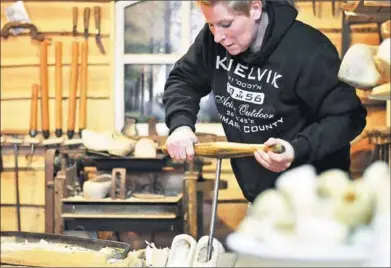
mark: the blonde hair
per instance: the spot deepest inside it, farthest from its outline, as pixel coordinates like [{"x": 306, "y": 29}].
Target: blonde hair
[{"x": 240, "y": 6}]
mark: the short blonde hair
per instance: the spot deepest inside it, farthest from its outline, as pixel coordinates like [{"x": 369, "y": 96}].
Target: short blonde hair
[{"x": 240, "y": 6}]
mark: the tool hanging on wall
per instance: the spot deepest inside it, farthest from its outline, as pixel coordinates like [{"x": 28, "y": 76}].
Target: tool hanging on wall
[
  {"x": 34, "y": 111},
  {"x": 333, "y": 8},
  {"x": 86, "y": 17},
  {"x": 74, "y": 20},
  {"x": 5, "y": 31},
  {"x": 33, "y": 122},
  {"x": 98, "y": 38},
  {"x": 44, "y": 89},
  {"x": 58, "y": 74},
  {"x": 73, "y": 90},
  {"x": 15, "y": 142},
  {"x": 83, "y": 86}
]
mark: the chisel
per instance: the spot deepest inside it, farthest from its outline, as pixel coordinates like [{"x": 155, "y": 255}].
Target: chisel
[{"x": 73, "y": 90}]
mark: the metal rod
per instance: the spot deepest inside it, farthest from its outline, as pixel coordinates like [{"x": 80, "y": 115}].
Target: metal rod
[
  {"x": 17, "y": 187},
  {"x": 214, "y": 209}
]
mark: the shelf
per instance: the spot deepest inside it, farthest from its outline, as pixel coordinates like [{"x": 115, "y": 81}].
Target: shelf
[{"x": 365, "y": 11}]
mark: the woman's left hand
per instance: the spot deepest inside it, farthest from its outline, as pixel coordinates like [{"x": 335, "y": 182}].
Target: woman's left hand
[{"x": 276, "y": 162}]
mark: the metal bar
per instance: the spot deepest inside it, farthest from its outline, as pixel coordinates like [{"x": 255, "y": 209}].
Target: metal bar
[
  {"x": 346, "y": 31},
  {"x": 214, "y": 209},
  {"x": 17, "y": 187}
]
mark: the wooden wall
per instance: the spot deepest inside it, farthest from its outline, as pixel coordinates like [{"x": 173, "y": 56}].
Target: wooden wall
[
  {"x": 20, "y": 63},
  {"x": 31, "y": 191},
  {"x": 20, "y": 57}
]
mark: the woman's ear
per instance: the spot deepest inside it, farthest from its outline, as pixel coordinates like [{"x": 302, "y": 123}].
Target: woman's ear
[{"x": 256, "y": 10}]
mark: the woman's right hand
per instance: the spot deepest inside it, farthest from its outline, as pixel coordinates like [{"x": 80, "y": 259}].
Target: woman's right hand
[{"x": 180, "y": 144}]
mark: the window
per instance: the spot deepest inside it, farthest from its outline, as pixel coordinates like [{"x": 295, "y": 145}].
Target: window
[{"x": 150, "y": 37}]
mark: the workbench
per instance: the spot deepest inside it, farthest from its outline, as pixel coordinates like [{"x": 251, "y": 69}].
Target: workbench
[{"x": 179, "y": 212}]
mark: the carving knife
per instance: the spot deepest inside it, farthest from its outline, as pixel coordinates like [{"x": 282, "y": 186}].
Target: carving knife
[
  {"x": 86, "y": 16},
  {"x": 74, "y": 15},
  {"x": 98, "y": 38}
]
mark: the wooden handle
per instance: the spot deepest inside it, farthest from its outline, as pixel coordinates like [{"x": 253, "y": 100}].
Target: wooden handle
[
  {"x": 73, "y": 90},
  {"x": 44, "y": 89},
  {"x": 97, "y": 12},
  {"x": 58, "y": 70},
  {"x": 74, "y": 15},
  {"x": 83, "y": 86},
  {"x": 87, "y": 12},
  {"x": 230, "y": 149},
  {"x": 34, "y": 110}
]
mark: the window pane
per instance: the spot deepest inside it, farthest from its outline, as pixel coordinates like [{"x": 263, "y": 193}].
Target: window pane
[
  {"x": 153, "y": 27},
  {"x": 144, "y": 87},
  {"x": 197, "y": 20}
]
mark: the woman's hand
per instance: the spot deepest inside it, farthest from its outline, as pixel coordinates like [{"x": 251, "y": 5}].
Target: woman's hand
[
  {"x": 276, "y": 162},
  {"x": 180, "y": 144}
]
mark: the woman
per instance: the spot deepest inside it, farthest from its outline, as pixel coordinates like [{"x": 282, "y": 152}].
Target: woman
[{"x": 275, "y": 81}]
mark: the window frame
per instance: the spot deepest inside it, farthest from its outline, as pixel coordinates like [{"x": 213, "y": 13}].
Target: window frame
[{"x": 121, "y": 59}]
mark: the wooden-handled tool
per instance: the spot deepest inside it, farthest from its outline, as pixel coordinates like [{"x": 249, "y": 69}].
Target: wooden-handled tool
[
  {"x": 86, "y": 18},
  {"x": 98, "y": 39},
  {"x": 73, "y": 90},
  {"x": 83, "y": 87},
  {"x": 34, "y": 110},
  {"x": 58, "y": 51},
  {"x": 44, "y": 89},
  {"x": 74, "y": 21},
  {"x": 230, "y": 149}
]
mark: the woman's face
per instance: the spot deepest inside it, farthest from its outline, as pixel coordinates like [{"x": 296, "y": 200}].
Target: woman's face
[{"x": 232, "y": 30}]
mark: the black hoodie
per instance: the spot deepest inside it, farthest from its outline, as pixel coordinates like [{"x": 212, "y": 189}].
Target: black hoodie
[{"x": 289, "y": 90}]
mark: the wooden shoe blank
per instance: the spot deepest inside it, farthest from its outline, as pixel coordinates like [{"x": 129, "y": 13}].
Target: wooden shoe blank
[
  {"x": 385, "y": 29},
  {"x": 358, "y": 68}
]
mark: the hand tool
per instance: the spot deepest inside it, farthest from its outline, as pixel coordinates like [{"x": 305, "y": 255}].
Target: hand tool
[
  {"x": 86, "y": 16},
  {"x": 44, "y": 89},
  {"x": 5, "y": 31},
  {"x": 58, "y": 73},
  {"x": 73, "y": 90},
  {"x": 221, "y": 150},
  {"x": 15, "y": 141},
  {"x": 314, "y": 7},
  {"x": 230, "y": 149},
  {"x": 33, "y": 120},
  {"x": 34, "y": 111},
  {"x": 98, "y": 38},
  {"x": 333, "y": 8},
  {"x": 83, "y": 86},
  {"x": 74, "y": 16}
]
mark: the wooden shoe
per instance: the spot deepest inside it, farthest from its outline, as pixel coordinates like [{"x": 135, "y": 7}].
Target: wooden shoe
[
  {"x": 200, "y": 255},
  {"x": 182, "y": 251}
]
